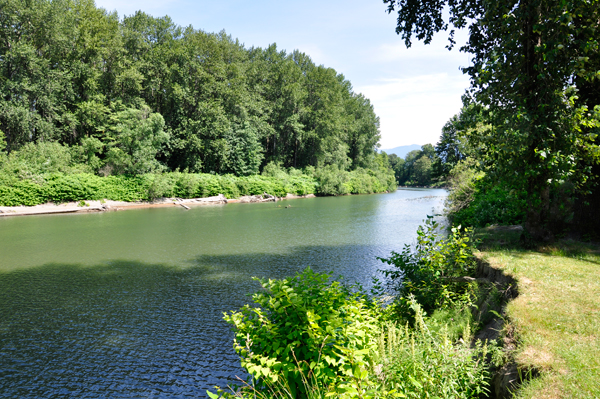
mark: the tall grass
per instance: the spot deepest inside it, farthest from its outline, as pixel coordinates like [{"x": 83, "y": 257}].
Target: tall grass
[{"x": 422, "y": 363}]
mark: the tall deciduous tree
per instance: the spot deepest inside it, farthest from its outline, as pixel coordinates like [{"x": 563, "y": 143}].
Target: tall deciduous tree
[
  {"x": 529, "y": 60},
  {"x": 73, "y": 74}
]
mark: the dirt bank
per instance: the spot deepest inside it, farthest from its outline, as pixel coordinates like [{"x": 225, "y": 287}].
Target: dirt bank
[{"x": 108, "y": 205}]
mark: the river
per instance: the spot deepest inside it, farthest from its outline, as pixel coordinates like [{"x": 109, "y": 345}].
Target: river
[{"x": 129, "y": 304}]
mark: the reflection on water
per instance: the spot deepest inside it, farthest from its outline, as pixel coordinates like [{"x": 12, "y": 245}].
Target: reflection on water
[{"x": 129, "y": 304}]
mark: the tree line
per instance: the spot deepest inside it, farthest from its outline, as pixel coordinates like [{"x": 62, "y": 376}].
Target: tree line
[{"x": 140, "y": 94}]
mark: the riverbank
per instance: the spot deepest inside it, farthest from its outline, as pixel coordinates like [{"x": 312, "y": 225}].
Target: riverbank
[
  {"x": 108, "y": 205},
  {"x": 63, "y": 188},
  {"x": 554, "y": 322}
]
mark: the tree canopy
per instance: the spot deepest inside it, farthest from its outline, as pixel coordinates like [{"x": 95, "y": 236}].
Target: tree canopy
[
  {"x": 141, "y": 94},
  {"x": 535, "y": 67}
]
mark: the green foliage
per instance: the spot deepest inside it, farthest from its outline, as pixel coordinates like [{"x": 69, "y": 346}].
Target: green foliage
[
  {"x": 331, "y": 180},
  {"x": 334, "y": 181},
  {"x": 137, "y": 137},
  {"x": 157, "y": 95},
  {"x": 35, "y": 159},
  {"x": 534, "y": 69},
  {"x": 309, "y": 338},
  {"x": 87, "y": 93},
  {"x": 57, "y": 187},
  {"x": 305, "y": 328},
  {"x": 313, "y": 339},
  {"x": 453, "y": 146},
  {"x": 2, "y": 141},
  {"x": 416, "y": 169},
  {"x": 38, "y": 188},
  {"x": 475, "y": 201},
  {"x": 87, "y": 153},
  {"x": 492, "y": 205},
  {"x": 422, "y": 171},
  {"x": 141, "y": 95},
  {"x": 428, "y": 270},
  {"x": 422, "y": 363},
  {"x": 245, "y": 152}
]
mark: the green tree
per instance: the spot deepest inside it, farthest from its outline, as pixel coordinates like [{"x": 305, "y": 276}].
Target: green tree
[
  {"x": 72, "y": 73},
  {"x": 2, "y": 141},
  {"x": 453, "y": 145},
  {"x": 245, "y": 152},
  {"x": 422, "y": 169},
  {"x": 137, "y": 137},
  {"x": 397, "y": 165},
  {"x": 525, "y": 58}
]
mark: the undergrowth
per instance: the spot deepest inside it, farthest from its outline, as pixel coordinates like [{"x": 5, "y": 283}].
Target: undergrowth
[{"x": 310, "y": 337}]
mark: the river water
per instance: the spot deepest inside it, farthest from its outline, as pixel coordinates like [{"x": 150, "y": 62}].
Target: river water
[{"x": 129, "y": 304}]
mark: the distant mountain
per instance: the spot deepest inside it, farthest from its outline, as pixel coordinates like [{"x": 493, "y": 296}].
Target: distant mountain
[{"x": 402, "y": 150}]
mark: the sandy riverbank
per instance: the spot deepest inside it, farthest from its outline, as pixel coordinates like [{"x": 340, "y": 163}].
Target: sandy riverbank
[{"x": 108, "y": 205}]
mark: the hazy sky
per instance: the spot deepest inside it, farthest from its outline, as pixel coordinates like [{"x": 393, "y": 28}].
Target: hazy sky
[{"x": 414, "y": 91}]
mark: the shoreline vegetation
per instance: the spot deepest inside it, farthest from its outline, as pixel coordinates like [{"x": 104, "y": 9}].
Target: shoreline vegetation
[
  {"x": 84, "y": 191},
  {"x": 135, "y": 108},
  {"x": 310, "y": 337},
  {"x": 498, "y": 322}
]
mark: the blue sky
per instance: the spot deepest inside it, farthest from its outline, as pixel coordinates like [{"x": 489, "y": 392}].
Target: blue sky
[{"x": 414, "y": 91}]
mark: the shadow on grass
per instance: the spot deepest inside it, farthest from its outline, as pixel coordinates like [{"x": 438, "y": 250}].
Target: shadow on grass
[{"x": 499, "y": 238}]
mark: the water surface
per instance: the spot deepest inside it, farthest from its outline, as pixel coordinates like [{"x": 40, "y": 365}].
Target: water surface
[{"x": 129, "y": 304}]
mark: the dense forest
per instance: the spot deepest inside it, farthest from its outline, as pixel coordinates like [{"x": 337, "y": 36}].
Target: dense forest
[{"x": 90, "y": 92}]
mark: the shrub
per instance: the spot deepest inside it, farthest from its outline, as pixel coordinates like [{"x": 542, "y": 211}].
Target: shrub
[
  {"x": 475, "y": 201},
  {"x": 491, "y": 204},
  {"x": 186, "y": 185},
  {"x": 162, "y": 185},
  {"x": 305, "y": 329},
  {"x": 35, "y": 188},
  {"x": 428, "y": 271},
  {"x": 331, "y": 180},
  {"x": 35, "y": 159}
]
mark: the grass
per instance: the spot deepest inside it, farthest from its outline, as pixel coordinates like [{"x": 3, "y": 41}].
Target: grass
[{"x": 556, "y": 315}]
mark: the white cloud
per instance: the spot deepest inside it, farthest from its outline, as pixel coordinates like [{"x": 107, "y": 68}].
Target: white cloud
[{"x": 414, "y": 110}]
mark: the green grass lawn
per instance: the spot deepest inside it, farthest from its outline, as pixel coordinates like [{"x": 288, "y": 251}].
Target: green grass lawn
[{"x": 556, "y": 314}]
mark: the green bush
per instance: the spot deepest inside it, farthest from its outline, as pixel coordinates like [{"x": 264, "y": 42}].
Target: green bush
[
  {"x": 34, "y": 186},
  {"x": 428, "y": 271},
  {"x": 305, "y": 331},
  {"x": 162, "y": 185},
  {"x": 476, "y": 201},
  {"x": 331, "y": 180},
  {"x": 312, "y": 339},
  {"x": 35, "y": 159},
  {"x": 490, "y": 205}
]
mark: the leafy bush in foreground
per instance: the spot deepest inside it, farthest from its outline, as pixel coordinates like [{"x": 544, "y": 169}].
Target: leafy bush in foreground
[
  {"x": 312, "y": 339},
  {"x": 304, "y": 330}
]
